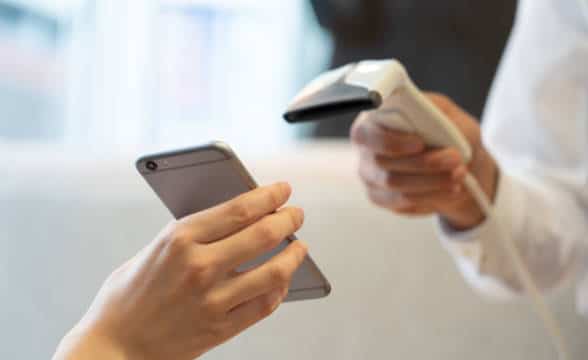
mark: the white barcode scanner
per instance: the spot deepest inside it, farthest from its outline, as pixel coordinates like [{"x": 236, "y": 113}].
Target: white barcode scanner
[{"x": 364, "y": 86}]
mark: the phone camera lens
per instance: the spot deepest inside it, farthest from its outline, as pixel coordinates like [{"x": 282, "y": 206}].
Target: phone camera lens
[{"x": 151, "y": 165}]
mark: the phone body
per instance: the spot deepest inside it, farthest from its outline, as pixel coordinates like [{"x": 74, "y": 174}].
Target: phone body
[{"x": 194, "y": 179}]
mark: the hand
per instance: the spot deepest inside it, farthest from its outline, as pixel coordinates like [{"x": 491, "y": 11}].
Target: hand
[
  {"x": 181, "y": 296},
  {"x": 403, "y": 175}
]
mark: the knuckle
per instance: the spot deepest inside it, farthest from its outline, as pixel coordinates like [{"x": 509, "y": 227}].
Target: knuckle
[
  {"x": 268, "y": 234},
  {"x": 279, "y": 275},
  {"x": 180, "y": 239},
  {"x": 241, "y": 212},
  {"x": 200, "y": 271},
  {"x": 213, "y": 306}
]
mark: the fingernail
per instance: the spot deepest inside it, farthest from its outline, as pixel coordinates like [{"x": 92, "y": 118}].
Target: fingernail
[
  {"x": 285, "y": 187},
  {"x": 299, "y": 216}
]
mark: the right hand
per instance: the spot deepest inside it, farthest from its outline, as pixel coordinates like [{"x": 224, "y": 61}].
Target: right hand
[
  {"x": 403, "y": 175},
  {"x": 181, "y": 296}
]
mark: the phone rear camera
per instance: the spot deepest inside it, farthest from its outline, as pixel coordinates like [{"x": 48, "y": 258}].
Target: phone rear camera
[{"x": 151, "y": 165}]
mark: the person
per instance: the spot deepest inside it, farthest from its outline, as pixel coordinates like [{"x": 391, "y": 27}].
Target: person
[
  {"x": 181, "y": 296},
  {"x": 530, "y": 158},
  {"x": 463, "y": 38}
]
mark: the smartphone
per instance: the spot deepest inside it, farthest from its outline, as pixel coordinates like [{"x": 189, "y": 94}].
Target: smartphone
[{"x": 194, "y": 179}]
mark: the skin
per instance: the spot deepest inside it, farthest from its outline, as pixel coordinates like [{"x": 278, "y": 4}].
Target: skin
[
  {"x": 403, "y": 175},
  {"x": 181, "y": 296}
]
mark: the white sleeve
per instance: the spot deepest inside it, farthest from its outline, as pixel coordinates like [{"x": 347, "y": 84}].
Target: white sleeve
[
  {"x": 536, "y": 127},
  {"x": 547, "y": 225}
]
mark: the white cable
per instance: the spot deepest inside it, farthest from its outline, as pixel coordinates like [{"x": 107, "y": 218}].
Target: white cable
[{"x": 549, "y": 321}]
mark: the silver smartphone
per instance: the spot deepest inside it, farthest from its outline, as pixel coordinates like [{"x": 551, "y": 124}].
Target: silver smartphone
[{"x": 194, "y": 179}]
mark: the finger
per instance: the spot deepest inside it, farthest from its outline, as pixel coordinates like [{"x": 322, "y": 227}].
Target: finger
[
  {"x": 388, "y": 199},
  {"x": 405, "y": 183},
  {"x": 414, "y": 204},
  {"x": 232, "y": 216},
  {"x": 253, "y": 311},
  {"x": 436, "y": 200},
  {"x": 445, "y": 159},
  {"x": 430, "y": 162},
  {"x": 416, "y": 211},
  {"x": 459, "y": 174},
  {"x": 399, "y": 204},
  {"x": 257, "y": 239},
  {"x": 275, "y": 273},
  {"x": 384, "y": 141}
]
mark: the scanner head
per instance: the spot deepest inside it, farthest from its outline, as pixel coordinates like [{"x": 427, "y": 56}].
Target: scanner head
[
  {"x": 331, "y": 102},
  {"x": 347, "y": 90}
]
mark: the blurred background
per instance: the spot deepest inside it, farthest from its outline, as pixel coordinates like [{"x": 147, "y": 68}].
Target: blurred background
[
  {"x": 87, "y": 86},
  {"x": 111, "y": 76},
  {"x": 124, "y": 76}
]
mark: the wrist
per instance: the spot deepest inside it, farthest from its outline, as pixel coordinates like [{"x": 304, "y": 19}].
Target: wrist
[
  {"x": 466, "y": 213},
  {"x": 89, "y": 344}
]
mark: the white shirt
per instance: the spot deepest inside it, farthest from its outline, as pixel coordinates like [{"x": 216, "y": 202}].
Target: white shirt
[{"x": 536, "y": 127}]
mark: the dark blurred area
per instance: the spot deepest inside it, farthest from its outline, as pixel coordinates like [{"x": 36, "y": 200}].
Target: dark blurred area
[{"x": 450, "y": 46}]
